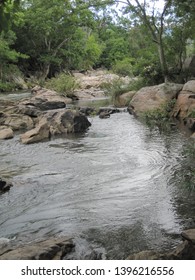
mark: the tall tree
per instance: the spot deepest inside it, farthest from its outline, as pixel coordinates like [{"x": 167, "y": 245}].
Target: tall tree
[
  {"x": 48, "y": 30},
  {"x": 156, "y": 20}
]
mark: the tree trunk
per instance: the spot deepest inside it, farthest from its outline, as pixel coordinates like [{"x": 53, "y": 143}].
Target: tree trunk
[
  {"x": 46, "y": 71},
  {"x": 163, "y": 61}
]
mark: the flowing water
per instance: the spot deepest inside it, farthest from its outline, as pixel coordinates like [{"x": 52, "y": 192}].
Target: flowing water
[
  {"x": 14, "y": 96},
  {"x": 115, "y": 189}
]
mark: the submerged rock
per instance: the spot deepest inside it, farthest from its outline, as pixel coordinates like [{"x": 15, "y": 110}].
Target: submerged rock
[
  {"x": 4, "y": 185},
  {"x": 104, "y": 115}
]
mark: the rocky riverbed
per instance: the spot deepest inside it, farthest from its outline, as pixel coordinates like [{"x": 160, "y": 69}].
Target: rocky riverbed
[{"x": 45, "y": 114}]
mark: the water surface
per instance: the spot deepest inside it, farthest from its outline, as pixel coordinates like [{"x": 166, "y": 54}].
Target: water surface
[{"x": 116, "y": 187}]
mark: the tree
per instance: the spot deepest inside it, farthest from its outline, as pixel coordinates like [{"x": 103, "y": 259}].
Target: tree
[
  {"x": 48, "y": 31},
  {"x": 7, "y": 11},
  {"x": 157, "y": 21}
]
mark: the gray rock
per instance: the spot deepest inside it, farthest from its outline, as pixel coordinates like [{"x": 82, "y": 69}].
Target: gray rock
[
  {"x": 52, "y": 249},
  {"x": 104, "y": 115}
]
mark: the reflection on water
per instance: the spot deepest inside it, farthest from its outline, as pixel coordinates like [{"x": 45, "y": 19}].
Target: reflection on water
[{"x": 113, "y": 186}]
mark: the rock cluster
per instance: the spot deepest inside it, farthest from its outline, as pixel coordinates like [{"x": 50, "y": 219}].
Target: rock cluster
[
  {"x": 91, "y": 83},
  {"x": 156, "y": 97},
  {"x": 40, "y": 117},
  {"x": 52, "y": 249}
]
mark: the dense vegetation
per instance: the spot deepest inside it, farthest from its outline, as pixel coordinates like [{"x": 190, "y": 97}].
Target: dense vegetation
[{"x": 41, "y": 39}]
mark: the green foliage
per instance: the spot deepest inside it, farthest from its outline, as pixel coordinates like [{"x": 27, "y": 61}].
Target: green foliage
[
  {"x": 116, "y": 46},
  {"x": 6, "y": 86},
  {"x": 63, "y": 84},
  {"x": 7, "y": 54},
  {"x": 159, "y": 117},
  {"x": 114, "y": 88},
  {"x": 93, "y": 51},
  {"x": 188, "y": 166},
  {"x": 8, "y": 14},
  {"x": 191, "y": 114},
  {"x": 8, "y": 58},
  {"x": 123, "y": 67},
  {"x": 59, "y": 35},
  {"x": 117, "y": 87}
]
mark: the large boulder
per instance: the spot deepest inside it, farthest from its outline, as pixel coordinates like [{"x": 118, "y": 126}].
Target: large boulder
[
  {"x": 52, "y": 249},
  {"x": 56, "y": 122},
  {"x": 124, "y": 99},
  {"x": 154, "y": 97},
  {"x": 185, "y": 104}
]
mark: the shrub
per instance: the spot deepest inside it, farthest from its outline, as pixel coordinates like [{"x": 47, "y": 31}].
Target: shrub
[
  {"x": 118, "y": 87},
  {"x": 159, "y": 117},
  {"x": 188, "y": 166},
  {"x": 123, "y": 67},
  {"x": 6, "y": 86},
  {"x": 191, "y": 114},
  {"x": 63, "y": 83},
  {"x": 10, "y": 75}
]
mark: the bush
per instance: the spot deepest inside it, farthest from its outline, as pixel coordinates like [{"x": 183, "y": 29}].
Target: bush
[
  {"x": 63, "y": 83},
  {"x": 118, "y": 87},
  {"x": 6, "y": 86},
  {"x": 151, "y": 73},
  {"x": 159, "y": 117},
  {"x": 191, "y": 114},
  {"x": 9, "y": 78},
  {"x": 188, "y": 166},
  {"x": 123, "y": 67}
]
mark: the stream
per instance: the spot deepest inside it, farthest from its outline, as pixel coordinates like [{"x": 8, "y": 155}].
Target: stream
[{"x": 116, "y": 189}]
